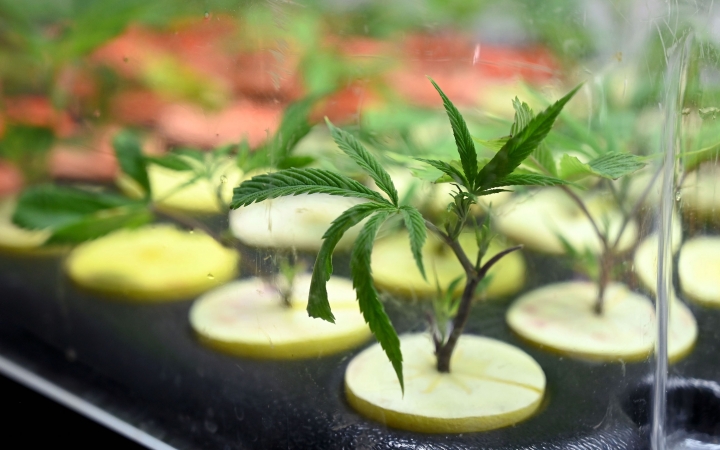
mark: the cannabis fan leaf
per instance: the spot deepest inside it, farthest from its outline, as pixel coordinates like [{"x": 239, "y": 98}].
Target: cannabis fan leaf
[
  {"x": 375, "y": 211},
  {"x": 611, "y": 165},
  {"x": 74, "y": 215},
  {"x": 528, "y": 132},
  {"x": 300, "y": 181},
  {"x": 463, "y": 140},
  {"x": 351, "y": 147},
  {"x": 520, "y": 146}
]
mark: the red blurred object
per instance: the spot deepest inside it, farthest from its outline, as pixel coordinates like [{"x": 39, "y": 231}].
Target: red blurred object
[
  {"x": 94, "y": 161},
  {"x": 72, "y": 163},
  {"x": 77, "y": 82},
  {"x": 532, "y": 64},
  {"x": 464, "y": 69},
  {"x": 137, "y": 107},
  {"x": 201, "y": 44},
  {"x": 37, "y": 111},
  {"x": 361, "y": 47},
  {"x": 11, "y": 179},
  {"x": 129, "y": 53},
  {"x": 460, "y": 85},
  {"x": 267, "y": 75},
  {"x": 445, "y": 48},
  {"x": 345, "y": 105},
  {"x": 186, "y": 124}
]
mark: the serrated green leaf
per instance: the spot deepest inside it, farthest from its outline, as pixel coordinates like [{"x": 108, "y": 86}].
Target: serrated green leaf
[
  {"x": 415, "y": 224},
  {"x": 528, "y": 179},
  {"x": 129, "y": 155},
  {"x": 355, "y": 150},
  {"x": 318, "y": 304},
  {"x": 300, "y": 181},
  {"x": 576, "y": 133},
  {"x": 48, "y": 206},
  {"x": 492, "y": 191},
  {"x": 616, "y": 165},
  {"x": 521, "y": 145},
  {"x": 493, "y": 144},
  {"x": 370, "y": 305},
  {"x": 572, "y": 169},
  {"x": 99, "y": 224},
  {"x": 523, "y": 116},
  {"x": 610, "y": 166},
  {"x": 463, "y": 140},
  {"x": 543, "y": 160},
  {"x": 448, "y": 169},
  {"x": 693, "y": 159}
]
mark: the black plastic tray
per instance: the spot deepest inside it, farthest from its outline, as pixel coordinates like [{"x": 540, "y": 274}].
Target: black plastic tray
[{"x": 142, "y": 364}]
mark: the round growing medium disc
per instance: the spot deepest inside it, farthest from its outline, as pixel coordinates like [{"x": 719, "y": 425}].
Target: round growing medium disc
[
  {"x": 561, "y": 317},
  {"x": 170, "y": 188},
  {"x": 537, "y": 220},
  {"x": 701, "y": 192},
  {"x": 394, "y": 268},
  {"x": 646, "y": 257},
  {"x": 248, "y": 318},
  {"x": 292, "y": 222},
  {"x": 14, "y": 238},
  {"x": 699, "y": 270},
  {"x": 491, "y": 385},
  {"x": 152, "y": 263},
  {"x": 682, "y": 326}
]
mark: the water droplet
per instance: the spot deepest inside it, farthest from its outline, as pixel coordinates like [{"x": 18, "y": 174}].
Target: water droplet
[
  {"x": 211, "y": 276},
  {"x": 678, "y": 196},
  {"x": 223, "y": 179},
  {"x": 207, "y": 15}
]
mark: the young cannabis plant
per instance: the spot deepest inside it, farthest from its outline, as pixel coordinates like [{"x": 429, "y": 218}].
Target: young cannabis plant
[
  {"x": 606, "y": 163},
  {"x": 74, "y": 215},
  {"x": 472, "y": 180}
]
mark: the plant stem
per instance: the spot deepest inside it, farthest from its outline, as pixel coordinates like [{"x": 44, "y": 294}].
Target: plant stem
[
  {"x": 606, "y": 257},
  {"x": 445, "y": 352},
  {"x": 473, "y": 278},
  {"x": 636, "y": 207},
  {"x": 606, "y": 263},
  {"x": 454, "y": 246},
  {"x": 578, "y": 201}
]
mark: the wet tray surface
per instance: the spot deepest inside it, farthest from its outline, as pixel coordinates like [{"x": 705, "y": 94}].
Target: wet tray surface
[{"x": 142, "y": 364}]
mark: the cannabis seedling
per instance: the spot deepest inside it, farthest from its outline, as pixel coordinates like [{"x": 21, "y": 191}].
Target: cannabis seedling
[
  {"x": 472, "y": 181},
  {"x": 74, "y": 215},
  {"x": 607, "y": 165}
]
